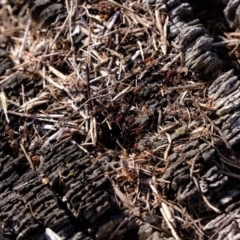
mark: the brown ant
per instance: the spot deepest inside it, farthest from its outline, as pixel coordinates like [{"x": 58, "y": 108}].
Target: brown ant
[
  {"x": 138, "y": 89},
  {"x": 139, "y": 130},
  {"x": 148, "y": 60},
  {"x": 169, "y": 74},
  {"x": 105, "y": 10}
]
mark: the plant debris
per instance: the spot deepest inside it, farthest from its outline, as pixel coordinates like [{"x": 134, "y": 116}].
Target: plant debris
[{"x": 116, "y": 106}]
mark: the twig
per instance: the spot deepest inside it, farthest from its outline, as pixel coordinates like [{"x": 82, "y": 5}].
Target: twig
[{"x": 28, "y": 158}]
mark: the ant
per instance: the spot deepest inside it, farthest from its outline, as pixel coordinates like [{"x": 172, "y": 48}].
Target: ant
[{"x": 105, "y": 10}]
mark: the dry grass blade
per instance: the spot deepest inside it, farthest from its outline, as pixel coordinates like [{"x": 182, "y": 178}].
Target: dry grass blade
[
  {"x": 4, "y": 104},
  {"x": 93, "y": 130},
  {"x": 24, "y": 38},
  {"x": 166, "y": 154},
  {"x": 43, "y": 98},
  {"x": 122, "y": 93},
  {"x": 166, "y": 67},
  {"x": 169, "y": 219},
  {"x": 125, "y": 200},
  {"x": 162, "y": 29},
  {"x": 57, "y": 73}
]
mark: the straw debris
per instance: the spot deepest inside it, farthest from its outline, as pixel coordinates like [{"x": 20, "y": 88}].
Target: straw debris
[{"x": 105, "y": 77}]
